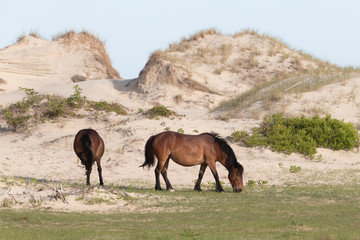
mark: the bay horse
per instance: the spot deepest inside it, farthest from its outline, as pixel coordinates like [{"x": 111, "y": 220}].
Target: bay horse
[
  {"x": 89, "y": 147},
  {"x": 189, "y": 150}
]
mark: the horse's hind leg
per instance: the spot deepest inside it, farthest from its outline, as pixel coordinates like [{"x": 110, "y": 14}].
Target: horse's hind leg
[
  {"x": 157, "y": 179},
  {"x": 100, "y": 172},
  {"x": 158, "y": 170},
  {"x": 164, "y": 174},
  {"x": 201, "y": 174},
  {"x": 88, "y": 172}
]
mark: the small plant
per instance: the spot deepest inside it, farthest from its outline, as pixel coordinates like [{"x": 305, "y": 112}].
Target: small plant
[
  {"x": 97, "y": 200},
  {"x": 295, "y": 169},
  {"x": 180, "y": 130},
  {"x": 8, "y": 202},
  {"x": 76, "y": 100},
  {"x": 318, "y": 158},
  {"x": 189, "y": 234},
  {"x": 34, "y": 202},
  {"x": 129, "y": 199},
  {"x": 107, "y": 107},
  {"x": 160, "y": 110},
  {"x": 251, "y": 183},
  {"x": 262, "y": 182}
]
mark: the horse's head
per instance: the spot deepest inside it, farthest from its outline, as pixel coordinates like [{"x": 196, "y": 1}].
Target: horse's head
[{"x": 236, "y": 177}]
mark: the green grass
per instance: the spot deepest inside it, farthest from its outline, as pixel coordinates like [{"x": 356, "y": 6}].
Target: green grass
[{"x": 260, "y": 212}]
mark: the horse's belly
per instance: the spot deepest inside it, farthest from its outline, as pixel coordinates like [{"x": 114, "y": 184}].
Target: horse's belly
[{"x": 187, "y": 160}]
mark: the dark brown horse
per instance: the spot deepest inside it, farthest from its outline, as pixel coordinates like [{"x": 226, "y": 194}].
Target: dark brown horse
[
  {"x": 189, "y": 150},
  {"x": 89, "y": 147}
]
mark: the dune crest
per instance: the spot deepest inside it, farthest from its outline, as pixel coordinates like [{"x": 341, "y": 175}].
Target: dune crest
[
  {"x": 35, "y": 61},
  {"x": 224, "y": 64}
]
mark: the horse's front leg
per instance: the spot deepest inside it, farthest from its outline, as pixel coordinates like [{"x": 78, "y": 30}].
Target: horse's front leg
[
  {"x": 201, "y": 174},
  {"x": 216, "y": 176}
]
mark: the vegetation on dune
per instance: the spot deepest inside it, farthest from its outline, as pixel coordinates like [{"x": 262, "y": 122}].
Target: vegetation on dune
[
  {"x": 159, "y": 111},
  {"x": 39, "y": 108},
  {"x": 269, "y": 93},
  {"x": 300, "y": 134},
  {"x": 264, "y": 62}
]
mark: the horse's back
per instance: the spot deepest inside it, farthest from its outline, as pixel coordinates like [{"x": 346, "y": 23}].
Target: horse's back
[
  {"x": 179, "y": 139},
  {"x": 185, "y": 149}
]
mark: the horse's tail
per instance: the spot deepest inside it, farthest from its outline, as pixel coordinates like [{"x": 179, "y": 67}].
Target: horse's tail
[
  {"x": 87, "y": 151},
  {"x": 149, "y": 153}
]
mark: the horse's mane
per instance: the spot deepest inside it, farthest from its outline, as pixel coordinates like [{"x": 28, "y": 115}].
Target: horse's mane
[{"x": 225, "y": 147}]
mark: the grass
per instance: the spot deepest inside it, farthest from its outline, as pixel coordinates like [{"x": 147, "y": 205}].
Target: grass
[
  {"x": 271, "y": 92},
  {"x": 260, "y": 212}
]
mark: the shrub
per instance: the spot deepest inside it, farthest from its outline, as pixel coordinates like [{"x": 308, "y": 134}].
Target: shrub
[
  {"x": 107, "y": 107},
  {"x": 160, "y": 110},
  {"x": 54, "y": 107},
  {"x": 250, "y": 140},
  {"x": 301, "y": 134},
  {"x": 44, "y": 107},
  {"x": 295, "y": 169}
]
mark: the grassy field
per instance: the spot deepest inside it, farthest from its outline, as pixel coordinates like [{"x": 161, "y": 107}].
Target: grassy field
[{"x": 260, "y": 212}]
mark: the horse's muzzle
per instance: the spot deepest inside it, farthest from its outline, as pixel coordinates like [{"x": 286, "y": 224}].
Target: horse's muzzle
[{"x": 237, "y": 189}]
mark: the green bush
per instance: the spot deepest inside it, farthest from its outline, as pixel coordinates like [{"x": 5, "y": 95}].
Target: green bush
[
  {"x": 18, "y": 114},
  {"x": 107, "y": 107},
  {"x": 160, "y": 110},
  {"x": 300, "y": 134}
]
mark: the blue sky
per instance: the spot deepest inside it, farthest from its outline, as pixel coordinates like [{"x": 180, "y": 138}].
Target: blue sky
[{"x": 132, "y": 30}]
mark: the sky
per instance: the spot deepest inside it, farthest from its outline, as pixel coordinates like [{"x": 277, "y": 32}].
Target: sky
[{"x": 133, "y": 29}]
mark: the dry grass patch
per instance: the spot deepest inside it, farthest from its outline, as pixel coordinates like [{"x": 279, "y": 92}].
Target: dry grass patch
[{"x": 269, "y": 93}]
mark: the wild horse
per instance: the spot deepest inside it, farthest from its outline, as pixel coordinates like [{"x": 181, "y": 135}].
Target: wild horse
[
  {"x": 89, "y": 147},
  {"x": 189, "y": 150}
]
